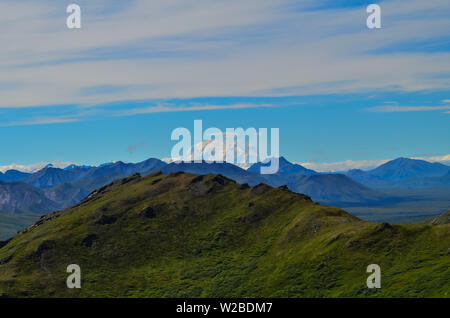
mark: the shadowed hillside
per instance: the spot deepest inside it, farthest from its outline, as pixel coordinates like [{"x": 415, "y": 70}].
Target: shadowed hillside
[
  {"x": 441, "y": 219},
  {"x": 17, "y": 197}
]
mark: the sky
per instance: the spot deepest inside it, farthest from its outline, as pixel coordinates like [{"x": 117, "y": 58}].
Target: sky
[{"x": 343, "y": 96}]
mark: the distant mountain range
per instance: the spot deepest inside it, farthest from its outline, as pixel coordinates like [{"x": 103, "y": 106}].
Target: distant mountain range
[
  {"x": 70, "y": 185},
  {"x": 50, "y": 177},
  {"x": 403, "y": 172},
  {"x": 52, "y": 188}
]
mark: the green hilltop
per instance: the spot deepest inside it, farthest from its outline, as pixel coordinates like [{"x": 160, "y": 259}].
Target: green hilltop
[{"x": 184, "y": 235}]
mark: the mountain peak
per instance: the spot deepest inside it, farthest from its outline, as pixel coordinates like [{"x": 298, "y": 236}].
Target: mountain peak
[
  {"x": 285, "y": 167},
  {"x": 401, "y": 169},
  {"x": 284, "y": 160}
]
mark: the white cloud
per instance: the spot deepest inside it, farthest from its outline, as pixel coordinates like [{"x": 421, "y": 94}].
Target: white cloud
[
  {"x": 167, "y": 160},
  {"x": 170, "y": 109},
  {"x": 170, "y": 49},
  {"x": 41, "y": 121},
  {"x": 35, "y": 167},
  {"x": 445, "y": 159}
]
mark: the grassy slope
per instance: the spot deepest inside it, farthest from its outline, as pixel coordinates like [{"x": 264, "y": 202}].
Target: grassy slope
[
  {"x": 215, "y": 238},
  {"x": 63, "y": 194},
  {"x": 10, "y": 224}
]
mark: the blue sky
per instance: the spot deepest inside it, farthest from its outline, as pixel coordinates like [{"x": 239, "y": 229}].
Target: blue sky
[{"x": 342, "y": 95}]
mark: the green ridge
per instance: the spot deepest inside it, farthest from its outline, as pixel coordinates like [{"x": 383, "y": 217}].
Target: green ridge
[{"x": 182, "y": 235}]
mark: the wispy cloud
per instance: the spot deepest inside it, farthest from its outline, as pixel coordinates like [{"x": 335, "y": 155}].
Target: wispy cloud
[
  {"x": 394, "y": 109},
  {"x": 159, "y": 49},
  {"x": 182, "y": 108},
  {"x": 40, "y": 121},
  {"x": 79, "y": 113},
  {"x": 392, "y": 103},
  {"x": 132, "y": 148},
  {"x": 442, "y": 159}
]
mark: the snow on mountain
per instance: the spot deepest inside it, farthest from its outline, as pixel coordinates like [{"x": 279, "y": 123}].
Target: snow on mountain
[{"x": 36, "y": 167}]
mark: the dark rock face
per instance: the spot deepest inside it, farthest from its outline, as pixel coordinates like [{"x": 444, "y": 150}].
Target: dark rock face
[
  {"x": 385, "y": 226},
  {"x": 220, "y": 179},
  {"x": 254, "y": 217},
  {"x": 156, "y": 181},
  {"x": 106, "y": 219},
  {"x": 256, "y": 213},
  {"x": 89, "y": 240},
  {"x": 3, "y": 243},
  {"x": 5, "y": 260},
  {"x": 43, "y": 248},
  {"x": 43, "y": 253},
  {"x": 176, "y": 174},
  {"x": 148, "y": 213},
  {"x": 336, "y": 238},
  {"x": 134, "y": 177},
  {"x": 261, "y": 188},
  {"x": 197, "y": 179}
]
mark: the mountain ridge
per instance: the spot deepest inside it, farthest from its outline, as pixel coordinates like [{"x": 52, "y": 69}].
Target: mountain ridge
[
  {"x": 185, "y": 235},
  {"x": 61, "y": 188},
  {"x": 402, "y": 172},
  {"x": 285, "y": 167}
]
